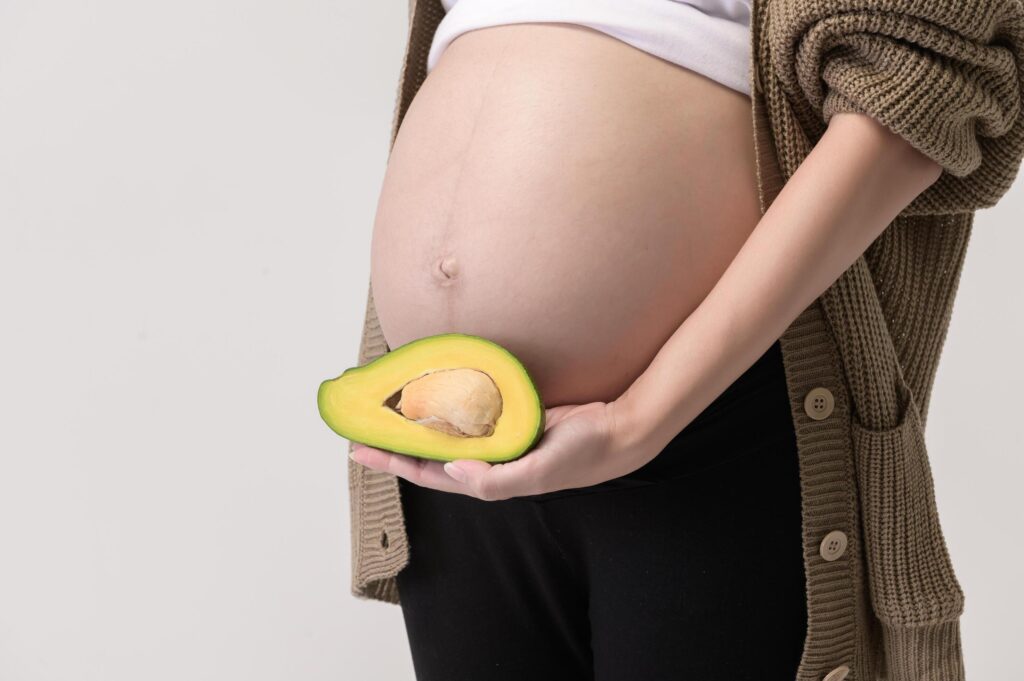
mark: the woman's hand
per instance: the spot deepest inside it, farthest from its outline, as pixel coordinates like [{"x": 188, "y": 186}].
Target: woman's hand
[{"x": 582, "y": 445}]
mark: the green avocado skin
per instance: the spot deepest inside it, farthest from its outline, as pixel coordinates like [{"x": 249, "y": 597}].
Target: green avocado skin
[{"x": 369, "y": 366}]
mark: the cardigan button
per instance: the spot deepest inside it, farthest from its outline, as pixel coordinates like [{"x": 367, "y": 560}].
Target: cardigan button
[
  {"x": 837, "y": 674},
  {"x": 819, "y": 403},
  {"x": 833, "y": 545}
]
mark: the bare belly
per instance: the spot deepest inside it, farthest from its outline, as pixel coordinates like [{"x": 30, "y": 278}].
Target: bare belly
[{"x": 566, "y": 195}]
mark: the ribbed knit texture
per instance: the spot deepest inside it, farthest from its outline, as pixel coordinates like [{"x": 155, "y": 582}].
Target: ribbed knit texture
[{"x": 948, "y": 76}]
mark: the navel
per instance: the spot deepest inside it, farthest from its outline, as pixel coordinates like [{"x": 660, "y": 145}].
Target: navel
[{"x": 446, "y": 268}]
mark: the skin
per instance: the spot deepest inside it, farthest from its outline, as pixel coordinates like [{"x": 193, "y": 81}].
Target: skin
[
  {"x": 550, "y": 170},
  {"x": 851, "y": 186}
]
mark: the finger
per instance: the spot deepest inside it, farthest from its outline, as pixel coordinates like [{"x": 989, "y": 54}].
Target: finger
[
  {"x": 423, "y": 472},
  {"x": 494, "y": 482}
]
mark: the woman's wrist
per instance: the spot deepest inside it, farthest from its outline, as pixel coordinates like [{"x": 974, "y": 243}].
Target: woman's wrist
[{"x": 637, "y": 427}]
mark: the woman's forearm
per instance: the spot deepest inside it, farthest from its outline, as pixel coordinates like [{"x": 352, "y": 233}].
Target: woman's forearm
[{"x": 855, "y": 181}]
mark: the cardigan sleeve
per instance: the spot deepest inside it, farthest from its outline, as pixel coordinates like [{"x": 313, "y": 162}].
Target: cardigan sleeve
[{"x": 946, "y": 75}]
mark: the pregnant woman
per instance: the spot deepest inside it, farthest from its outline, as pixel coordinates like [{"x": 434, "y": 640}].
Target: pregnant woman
[{"x": 585, "y": 184}]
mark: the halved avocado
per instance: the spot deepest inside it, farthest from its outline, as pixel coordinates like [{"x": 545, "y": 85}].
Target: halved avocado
[{"x": 470, "y": 399}]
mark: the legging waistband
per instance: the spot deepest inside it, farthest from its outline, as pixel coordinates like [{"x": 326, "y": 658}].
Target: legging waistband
[{"x": 766, "y": 372}]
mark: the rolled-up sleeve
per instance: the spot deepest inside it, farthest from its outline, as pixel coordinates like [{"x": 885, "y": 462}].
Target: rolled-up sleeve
[{"x": 946, "y": 75}]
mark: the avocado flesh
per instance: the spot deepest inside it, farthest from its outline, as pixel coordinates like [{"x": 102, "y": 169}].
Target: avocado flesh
[{"x": 358, "y": 404}]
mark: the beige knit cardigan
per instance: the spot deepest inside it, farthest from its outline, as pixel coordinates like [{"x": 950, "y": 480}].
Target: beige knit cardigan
[{"x": 946, "y": 75}]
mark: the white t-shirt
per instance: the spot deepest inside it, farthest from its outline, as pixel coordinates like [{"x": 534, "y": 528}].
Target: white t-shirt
[{"x": 710, "y": 37}]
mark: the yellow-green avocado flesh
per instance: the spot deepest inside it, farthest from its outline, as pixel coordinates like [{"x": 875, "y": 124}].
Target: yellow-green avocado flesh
[{"x": 355, "y": 404}]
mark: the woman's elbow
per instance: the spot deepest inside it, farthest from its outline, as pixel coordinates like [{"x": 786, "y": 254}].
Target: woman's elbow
[{"x": 888, "y": 151}]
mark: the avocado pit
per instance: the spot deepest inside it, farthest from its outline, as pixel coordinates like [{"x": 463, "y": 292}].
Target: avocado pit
[{"x": 461, "y": 402}]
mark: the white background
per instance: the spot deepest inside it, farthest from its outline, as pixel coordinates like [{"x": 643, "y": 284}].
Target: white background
[{"x": 187, "y": 192}]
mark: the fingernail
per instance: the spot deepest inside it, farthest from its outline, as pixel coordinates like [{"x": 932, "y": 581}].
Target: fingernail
[
  {"x": 454, "y": 471},
  {"x": 352, "y": 455}
]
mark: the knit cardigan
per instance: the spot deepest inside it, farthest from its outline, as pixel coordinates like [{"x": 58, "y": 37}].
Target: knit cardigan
[{"x": 946, "y": 75}]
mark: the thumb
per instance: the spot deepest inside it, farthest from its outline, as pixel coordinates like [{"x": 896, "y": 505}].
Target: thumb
[
  {"x": 464, "y": 469},
  {"x": 553, "y": 415}
]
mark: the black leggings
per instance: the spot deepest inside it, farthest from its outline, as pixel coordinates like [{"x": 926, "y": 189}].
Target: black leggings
[{"x": 690, "y": 568}]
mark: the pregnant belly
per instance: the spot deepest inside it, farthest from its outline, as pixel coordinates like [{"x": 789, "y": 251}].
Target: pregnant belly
[{"x": 565, "y": 195}]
